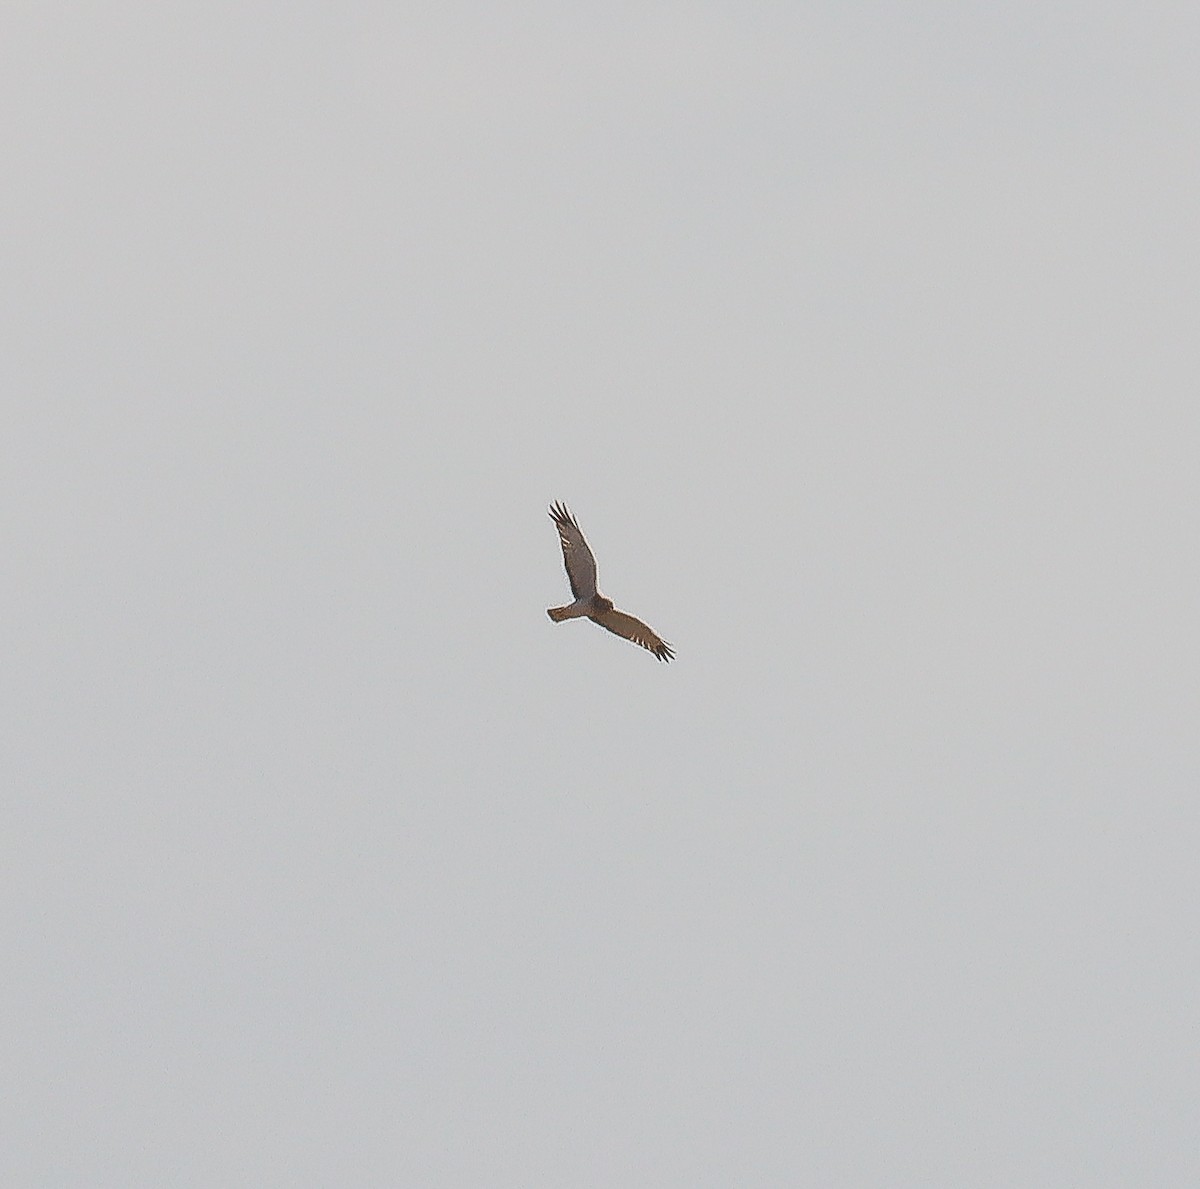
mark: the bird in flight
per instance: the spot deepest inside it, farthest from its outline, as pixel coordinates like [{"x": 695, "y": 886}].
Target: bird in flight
[{"x": 589, "y": 602}]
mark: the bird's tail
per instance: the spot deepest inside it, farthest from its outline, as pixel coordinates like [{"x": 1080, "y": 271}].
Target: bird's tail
[{"x": 558, "y": 614}]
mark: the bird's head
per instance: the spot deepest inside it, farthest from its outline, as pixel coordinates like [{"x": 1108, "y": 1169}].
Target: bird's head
[{"x": 600, "y": 603}]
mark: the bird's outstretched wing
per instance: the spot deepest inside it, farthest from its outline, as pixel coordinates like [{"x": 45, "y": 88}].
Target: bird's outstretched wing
[
  {"x": 621, "y": 624},
  {"x": 577, "y": 557}
]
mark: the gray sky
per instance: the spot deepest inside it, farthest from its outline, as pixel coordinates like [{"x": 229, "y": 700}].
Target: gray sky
[{"x": 863, "y": 342}]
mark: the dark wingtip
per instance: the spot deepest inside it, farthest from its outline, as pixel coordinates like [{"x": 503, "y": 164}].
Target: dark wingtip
[{"x": 560, "y": 514}]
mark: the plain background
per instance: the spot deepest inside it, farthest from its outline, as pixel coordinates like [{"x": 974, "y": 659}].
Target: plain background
[{"x": 861, "y": 338}]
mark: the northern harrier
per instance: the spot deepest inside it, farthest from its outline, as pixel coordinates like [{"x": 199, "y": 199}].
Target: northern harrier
[{"x": 589, "y": 602}]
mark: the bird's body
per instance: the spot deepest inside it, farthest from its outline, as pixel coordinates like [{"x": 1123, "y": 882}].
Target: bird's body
[{"x": 589, "y": 603}]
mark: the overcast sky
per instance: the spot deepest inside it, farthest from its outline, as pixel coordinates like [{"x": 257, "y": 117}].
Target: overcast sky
[{"x": 863, "y": 341}]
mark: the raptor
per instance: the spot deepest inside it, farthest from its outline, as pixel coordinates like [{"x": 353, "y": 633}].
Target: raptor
[{"x": 589, "y": 603}]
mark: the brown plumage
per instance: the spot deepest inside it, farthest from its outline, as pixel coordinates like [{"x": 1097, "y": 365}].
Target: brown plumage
[{"x": 589, "y": 603}]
